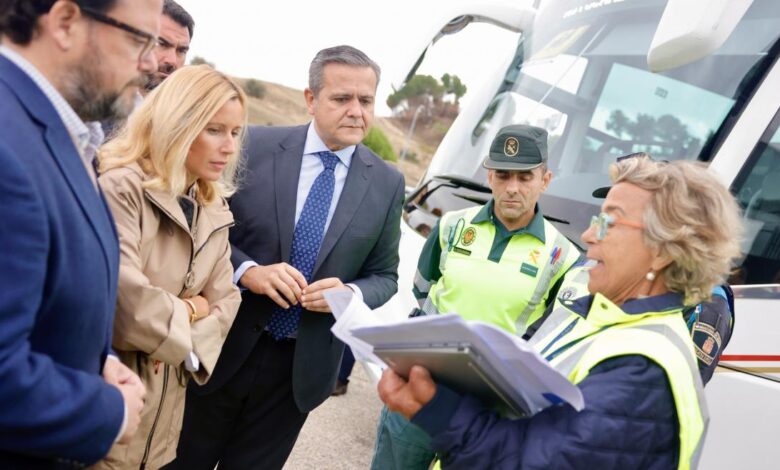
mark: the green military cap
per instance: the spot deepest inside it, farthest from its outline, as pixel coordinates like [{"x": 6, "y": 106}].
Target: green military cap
[{"x": 517, "y": 147}]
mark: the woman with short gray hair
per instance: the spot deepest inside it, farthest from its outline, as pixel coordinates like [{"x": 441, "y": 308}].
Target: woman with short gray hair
[
  {"x": 691, "y": 218},
  {"x": 667, "y": 235}
]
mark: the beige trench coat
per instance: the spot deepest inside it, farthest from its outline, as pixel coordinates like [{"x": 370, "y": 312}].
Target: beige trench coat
[{"x": 163, "y": 261}]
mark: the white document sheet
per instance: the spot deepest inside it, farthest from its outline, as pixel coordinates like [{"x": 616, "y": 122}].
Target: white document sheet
[
  {"x": 512, "y": 357},
  {"x": 352, "y": 313}
]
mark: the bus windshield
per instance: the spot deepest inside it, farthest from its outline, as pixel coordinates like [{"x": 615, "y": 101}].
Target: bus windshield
[{"x": 581, "y": 73}]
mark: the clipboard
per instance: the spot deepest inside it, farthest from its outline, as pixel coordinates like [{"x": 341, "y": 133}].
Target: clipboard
[{"x": 460, "y": 367}]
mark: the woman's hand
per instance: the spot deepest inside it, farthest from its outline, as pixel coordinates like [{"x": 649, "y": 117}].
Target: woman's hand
[
  {"x": 406, "y": 397},
  {"x": 202, "y": 308}
]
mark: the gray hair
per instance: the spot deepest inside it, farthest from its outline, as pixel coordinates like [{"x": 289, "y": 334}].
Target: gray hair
[
  {"x": 346, "y": 55},
  {"x": 692, "y": 219}
]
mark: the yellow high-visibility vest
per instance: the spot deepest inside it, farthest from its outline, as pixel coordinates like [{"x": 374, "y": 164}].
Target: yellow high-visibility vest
[{"x": 509, "y": 293}]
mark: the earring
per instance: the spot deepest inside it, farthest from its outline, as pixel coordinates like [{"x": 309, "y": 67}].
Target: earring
[{"x": 650, "y": 276}]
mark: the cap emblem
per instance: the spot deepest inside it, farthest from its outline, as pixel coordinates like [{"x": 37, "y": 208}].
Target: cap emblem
[{"x": 511, "y": 147}]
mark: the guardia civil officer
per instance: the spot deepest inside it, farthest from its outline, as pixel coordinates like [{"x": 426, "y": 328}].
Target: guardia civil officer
[{"x": 499, "y": 263}]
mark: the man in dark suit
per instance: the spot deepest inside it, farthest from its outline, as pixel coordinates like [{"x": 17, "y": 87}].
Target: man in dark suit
[
  {"x": 63, "y": 403},
  {"x": 317, "y": 210}
]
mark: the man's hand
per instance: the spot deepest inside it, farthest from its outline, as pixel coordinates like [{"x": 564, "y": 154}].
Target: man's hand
[
  {"x": 281, "y": 282},
  {"x": 313, "y": 299},
  {"x": 133, "y": 393},
  {"x": 115, "y": 373},
  {"x": 406, "y": 397}
]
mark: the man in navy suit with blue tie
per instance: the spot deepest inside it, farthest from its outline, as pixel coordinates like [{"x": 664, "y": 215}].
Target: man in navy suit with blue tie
[
  {"x": 63, "y": 65},
  {"x": 317, "y": 211}
]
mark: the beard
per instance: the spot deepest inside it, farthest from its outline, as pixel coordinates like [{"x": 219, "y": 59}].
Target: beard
[
  {"x": 153, "y": 80},
  {"x": 91, "y": 99}
]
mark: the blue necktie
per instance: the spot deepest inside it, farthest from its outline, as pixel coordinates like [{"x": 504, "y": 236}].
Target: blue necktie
[{"x": 306, "y": 242}]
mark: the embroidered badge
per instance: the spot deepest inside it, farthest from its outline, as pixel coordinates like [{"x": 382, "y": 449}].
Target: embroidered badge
[
  {"x": 567, "y": 293},
  {"x": 469, "y": 235},
  {"x": 707, "y": 346},
  {"x": 511, "y": 147},
  {"x": 534, "y": 255},
  {"x": 706, "y": 342},
  {"x": 529, "y": 269}
]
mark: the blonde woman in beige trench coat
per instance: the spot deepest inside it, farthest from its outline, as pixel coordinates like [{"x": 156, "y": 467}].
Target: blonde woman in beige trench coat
[{"x": 165, "y": 176}]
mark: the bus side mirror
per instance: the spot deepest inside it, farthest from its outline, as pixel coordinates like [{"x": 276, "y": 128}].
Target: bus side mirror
[{"x": 691, "y": 29}]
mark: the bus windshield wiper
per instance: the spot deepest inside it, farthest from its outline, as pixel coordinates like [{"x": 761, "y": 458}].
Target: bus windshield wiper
[
  {"x": 446, "y": 181},
  {"x": 452, "y": 181}
]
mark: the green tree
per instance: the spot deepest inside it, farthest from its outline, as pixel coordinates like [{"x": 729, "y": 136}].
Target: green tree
[
  {"x": 667, "y": 135},
  {"x": 452, "y": 84},
  {"x": 254, "y": 88},
  {"x": 420, "y": 90},
  {"x": 198, "y": 60},
  {"x": 377, "y": 141},
  {"x": 424, "y": 91}
]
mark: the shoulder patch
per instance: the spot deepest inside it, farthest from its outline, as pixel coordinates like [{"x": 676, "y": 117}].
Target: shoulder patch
[{"x": 706, "y": 342}]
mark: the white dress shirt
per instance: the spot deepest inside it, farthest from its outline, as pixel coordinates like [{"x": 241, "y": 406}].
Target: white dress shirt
[
  {"x": 87, "y": 137},
  {"x": 311, "y": 167}
]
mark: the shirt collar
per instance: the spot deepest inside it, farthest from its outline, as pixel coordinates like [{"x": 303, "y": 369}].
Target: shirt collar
[
  {"x": 83, "y": 135},
  {"x": 656, "y": 303},
  {"x": 315, "y": 144},
  {"x": 534, "y": 228}
]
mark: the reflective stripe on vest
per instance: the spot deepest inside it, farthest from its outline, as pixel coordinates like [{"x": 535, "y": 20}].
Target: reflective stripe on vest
[
  {"x": 509, "y": 293},
  {"x": 544, "y": 283},
  {"x": 574, "y": 345}
]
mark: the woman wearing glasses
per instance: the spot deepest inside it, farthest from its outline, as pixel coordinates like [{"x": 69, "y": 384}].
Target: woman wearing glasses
[
  {"x": 165, "y": 175},
  {"x": 668, "y": 233}
]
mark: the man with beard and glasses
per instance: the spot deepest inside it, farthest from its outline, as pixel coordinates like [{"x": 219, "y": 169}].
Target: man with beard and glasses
[
  {"x": 64, "y": 64},
  {"x": 500, "y": 263}
]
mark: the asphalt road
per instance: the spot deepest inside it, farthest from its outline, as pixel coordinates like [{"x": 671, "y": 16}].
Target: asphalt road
[{"x": 340, "y": 433}]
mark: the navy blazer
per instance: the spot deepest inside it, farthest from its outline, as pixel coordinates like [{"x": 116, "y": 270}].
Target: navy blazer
[
  {"x": 360, "y": 246},
  {"x": 59, "y": 261}
]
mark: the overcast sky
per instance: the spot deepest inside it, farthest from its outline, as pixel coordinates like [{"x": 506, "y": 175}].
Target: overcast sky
[{"x": 275, "y": 41}]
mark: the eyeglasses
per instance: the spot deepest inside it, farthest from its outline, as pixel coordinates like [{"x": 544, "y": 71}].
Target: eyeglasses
[
  {"x": 604, "y": 221},
  {"x": 149, "y": 40}
]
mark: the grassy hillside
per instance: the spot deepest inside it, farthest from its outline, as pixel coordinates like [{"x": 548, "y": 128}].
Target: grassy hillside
[{"x": 284, "y": 106}]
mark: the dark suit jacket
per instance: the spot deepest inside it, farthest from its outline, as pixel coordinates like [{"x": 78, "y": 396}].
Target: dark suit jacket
[
  {"x": 59, "y": 259},
  {"x": 360, "y": 246}
]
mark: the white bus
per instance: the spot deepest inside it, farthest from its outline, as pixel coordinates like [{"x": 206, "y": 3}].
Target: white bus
[{"x": 589, "y": 72}]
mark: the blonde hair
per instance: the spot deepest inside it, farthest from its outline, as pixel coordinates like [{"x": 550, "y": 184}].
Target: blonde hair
[
  {"x": 159, "y": 134},
  {"x": 691, "y": 219}
]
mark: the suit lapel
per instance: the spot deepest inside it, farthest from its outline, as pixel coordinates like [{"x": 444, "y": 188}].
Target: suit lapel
[
  {"x": 287, "y": 171},
  {"x": 63, "y": 152},
  {"x": 70, "y": 164},
  {"x": 355, "y": 188}
]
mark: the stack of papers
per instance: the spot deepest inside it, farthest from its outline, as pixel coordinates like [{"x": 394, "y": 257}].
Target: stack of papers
[{"x": 512, "y": 358}]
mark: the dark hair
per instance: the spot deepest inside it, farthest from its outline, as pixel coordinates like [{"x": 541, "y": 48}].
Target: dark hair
[
  {"x": 18, "y": 18},
  {"x": 346, "y": 55},
  {"x": 178, "y": 14}
]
